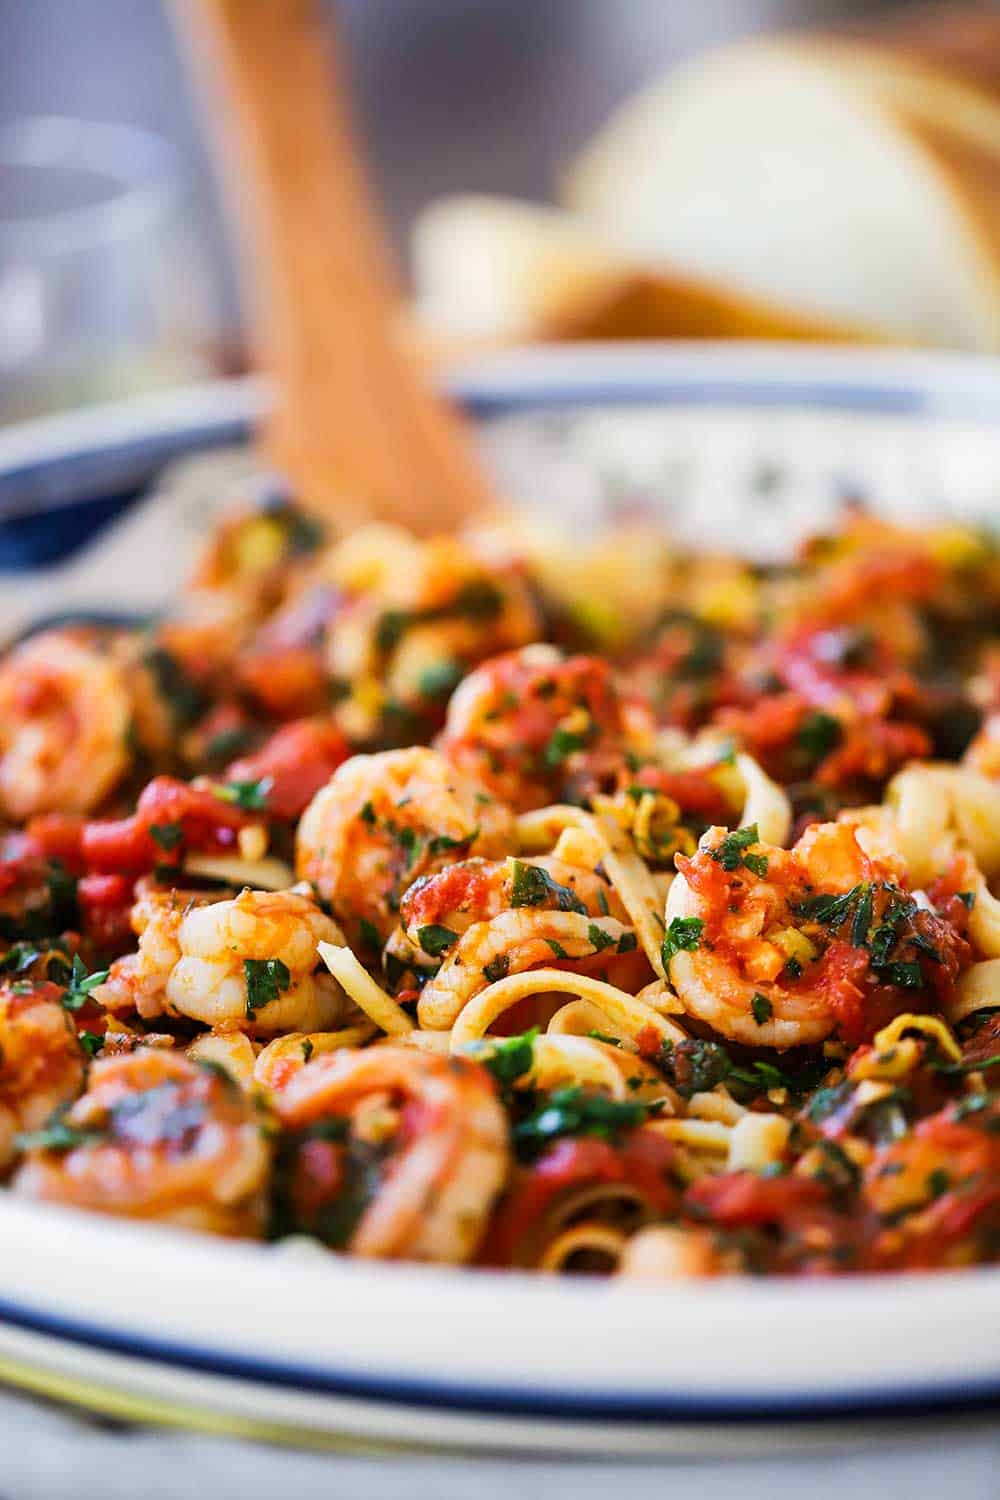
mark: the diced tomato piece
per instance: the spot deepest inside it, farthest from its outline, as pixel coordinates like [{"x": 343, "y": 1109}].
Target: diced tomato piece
[
  {"x": 642, "y": 1162},
  {"x": 127, "y": 845},
  {"x": 285, "y": 680},
  {"x": 58, "y": 836},
  {"x": 464, "y": 886},
  {"x": 744, "y": 1200},
  {"x": 298, "y": 759},
  {"x": 105, "y": 903}
]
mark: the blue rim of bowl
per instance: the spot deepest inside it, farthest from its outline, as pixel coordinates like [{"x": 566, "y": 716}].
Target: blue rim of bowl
[
  {"x": 876, "y": 1403},
  {"x": 98, "y": 449},
  {"x": 46, "y": 464}
]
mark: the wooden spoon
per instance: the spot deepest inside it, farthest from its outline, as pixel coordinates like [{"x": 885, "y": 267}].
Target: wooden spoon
[{"x": 354, "y": 426}]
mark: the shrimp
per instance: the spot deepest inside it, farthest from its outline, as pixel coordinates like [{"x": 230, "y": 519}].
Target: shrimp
[
  {"x": 391, "y": 1153},
  {"x": 672, "y": 1252},
  {"x": 537, "y": 727},
  {"x": 41, "y": 1062},
  {"x": 420, "y": 615},
  {"x": 476, "y": 890},
  {"x": 156, "y": 1136},
  {"x": 510, "y": 943},
  {"x": 64, "y": 719},
  {"x": 246, "y": 963},
  {"x": 754, "y": 928},
  {"x": 935, "y": 1191},
  {"x": 384, "y": 819}
]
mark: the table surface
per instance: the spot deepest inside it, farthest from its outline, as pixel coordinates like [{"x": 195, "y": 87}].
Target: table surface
[{"x": 49, "y": 1453}]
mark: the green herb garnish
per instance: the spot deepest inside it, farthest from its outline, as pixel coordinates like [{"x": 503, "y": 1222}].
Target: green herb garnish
[
  {"x": 574, "y": 1111},
  {"x": 184, "y": 699},
  {"x": 819, "y": 733},
  {"x": 729, "y": 853},
  {"x": 55, "y": 1137},
  {"x": 250, "y": 795},
  {"x": 369, "y": 934},
  {"x": 761, "y": 1008},
  {"x": 683, "y": 933},
  {"x": 531, "y": 885},
  {"x": 508, "y": 1058},
  {"x": 566, "y": 742},
  {"x": 265, "y": 979},
  {"x": 435, "y": 940},
  {"x": 167, "y": 835},
  {"x": 498, "y": 968},
  {"x": 77, "y": 992},
  {"x": 439, "y": 678},
  {"x": 599, "y": 939}
]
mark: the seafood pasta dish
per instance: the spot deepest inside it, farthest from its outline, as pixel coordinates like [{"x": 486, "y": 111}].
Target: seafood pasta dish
[{"x": 578, "y": 907}]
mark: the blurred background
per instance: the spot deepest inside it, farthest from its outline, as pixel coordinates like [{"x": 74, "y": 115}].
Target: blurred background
[{"x": 112, "y": 239}]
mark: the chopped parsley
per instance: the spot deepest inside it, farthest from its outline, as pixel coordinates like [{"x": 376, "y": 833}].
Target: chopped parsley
[
  {"x": 184, "y": 699},
  {"x": 55, "y": 1137},
  {"x": 730, "y": 852},
  {"x": 476, "y": 600},
  {"x": 602, "y": 1036},
  {"x": 227, "y": 744},
  {"x": 367, "y": 815},
  {"x": 77, "y": 991},
  {"x": 442, "y": 844},
  {"x": 969, "y": 1067},
  {"x": 508, "y": 1058},
  {"x": 19, "y": 958},
  {"x": 91, "y": 1042},
  {"x": 628, "y": 942},
  {"x": 435, "y": 939},
  {"x": 167, "y": 835},
  {"x": 761, "y": 1008},
  {"x": 303, "y": 533},
  {"x": 819, "y": 733},
  {"x": 938, "y": 1182},
  {"x": 307, "y": 1049},
  {"x": 369, "y": 934},
  {"x": 683, "y": 933},
  {"x": 566, "y": 742},
  {"x": 557, "y": 948},
  {"x": 250, "y": 795},
  {"x": 908, "y": 976},
  {"x": 439, "y": 678},
  {"x": 265, "y": 979},
  {"x": 498, "y": 968},
  {"x": 862, "y": 918},
  {"x": 829, "y": 911},
  {"x": 390, "y": 629},
  {"x": 696, "y": 1067},
  {"x": 599, "y": 939},
  {"x": 531, "y": 885},
  {"x": 575, "y": 1111}
]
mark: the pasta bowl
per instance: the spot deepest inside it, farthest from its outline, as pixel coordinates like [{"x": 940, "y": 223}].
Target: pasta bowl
[{"x": 735, "y": 445}]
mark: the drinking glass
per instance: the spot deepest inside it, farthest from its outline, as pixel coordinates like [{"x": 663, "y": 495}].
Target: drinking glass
[{"x": 104, "y": 289}]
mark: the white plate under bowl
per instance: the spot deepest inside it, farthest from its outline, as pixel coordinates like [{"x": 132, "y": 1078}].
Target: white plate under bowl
[{"x": 735, "y": 445}]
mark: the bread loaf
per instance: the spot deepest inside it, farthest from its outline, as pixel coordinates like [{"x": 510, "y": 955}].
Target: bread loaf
[{"x": 806, "y": 187}]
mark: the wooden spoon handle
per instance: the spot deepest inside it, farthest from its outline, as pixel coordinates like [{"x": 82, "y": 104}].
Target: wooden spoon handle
[{"x": 354, "y": 427}]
